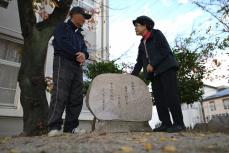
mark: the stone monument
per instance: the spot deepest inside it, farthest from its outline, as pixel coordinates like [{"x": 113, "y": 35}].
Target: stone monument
[{"x": 119, "y": 103}]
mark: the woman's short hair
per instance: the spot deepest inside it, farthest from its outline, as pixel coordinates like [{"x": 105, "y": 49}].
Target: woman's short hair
[{"x": 144, "y": 20}]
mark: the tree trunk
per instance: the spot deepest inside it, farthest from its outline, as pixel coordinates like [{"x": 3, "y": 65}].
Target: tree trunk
[
  {"x": 32, "y": 84},
  {"x": 31, "y": 74}
]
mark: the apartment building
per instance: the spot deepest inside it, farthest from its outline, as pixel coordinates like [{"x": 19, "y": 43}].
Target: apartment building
[{"x": 11, "y": 43}]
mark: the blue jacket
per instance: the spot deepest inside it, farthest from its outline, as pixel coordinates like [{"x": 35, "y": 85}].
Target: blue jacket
[{"x": 68, "y": 40}]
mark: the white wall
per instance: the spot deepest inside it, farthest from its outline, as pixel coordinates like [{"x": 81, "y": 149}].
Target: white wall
[
  {"x": 10, "y": 24},
  {"x": 208, "y": 91},
  {"x": 10, "y": 30}
]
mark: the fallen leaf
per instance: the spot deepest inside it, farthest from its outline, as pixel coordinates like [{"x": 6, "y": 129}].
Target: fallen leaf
[
  {"x": 147, "y": 134},
  {"x": 65, "y": 135},
  {"x": 163, "y": 139},
  {"x": 4, "y": 139},
  {"x": 169, "y": 148},
  {"x": 126, "y": 149},
  {"x": 148, "y": 147},
  {"x": 173, "y": 139},
  {"x": 13, "y": 151}
]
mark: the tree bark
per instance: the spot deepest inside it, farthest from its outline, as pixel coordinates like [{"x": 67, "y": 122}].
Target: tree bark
[
  {"x": 32, "y": 85},
  {"x": 31, "y": 74}
]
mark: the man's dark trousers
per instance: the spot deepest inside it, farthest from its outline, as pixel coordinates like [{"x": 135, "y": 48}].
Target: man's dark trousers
[
  {"x": 67, "y": 94},
  {"x": 166, "y": 94}
]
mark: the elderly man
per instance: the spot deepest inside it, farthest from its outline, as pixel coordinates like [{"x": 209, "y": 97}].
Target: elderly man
[{"x": 70, "y": 53}]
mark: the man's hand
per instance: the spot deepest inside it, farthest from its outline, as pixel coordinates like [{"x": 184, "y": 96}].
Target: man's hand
[
  {"x": 80, "y": 57},
  {"x": 149, "y": 68}
]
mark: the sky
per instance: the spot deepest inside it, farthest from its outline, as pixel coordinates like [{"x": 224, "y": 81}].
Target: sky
[{"x": 173, "y": 17}]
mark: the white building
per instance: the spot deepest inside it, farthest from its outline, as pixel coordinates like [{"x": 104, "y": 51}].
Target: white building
[
  {"x": 216, "y": 105},
  {"x": 11, "y": 41}
]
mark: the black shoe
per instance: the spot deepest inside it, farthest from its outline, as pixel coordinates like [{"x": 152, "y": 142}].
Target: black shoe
[
  {"x": 176, "y": 128},
  {"x": 162, "y": 128}
]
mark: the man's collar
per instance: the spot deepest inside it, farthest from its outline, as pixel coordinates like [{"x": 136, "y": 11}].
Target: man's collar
[{"x": 74, "y": 28}]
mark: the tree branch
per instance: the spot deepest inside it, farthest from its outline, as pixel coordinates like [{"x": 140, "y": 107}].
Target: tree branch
[
  {"x": 205, "y": 9},
  {"x": 59, "y": 14},
  {"x": 27, "y": 16}
]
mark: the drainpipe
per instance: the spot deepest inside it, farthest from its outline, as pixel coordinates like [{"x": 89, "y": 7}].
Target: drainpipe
[
  {"x": 107, "y": 30},
  {"x": 102, "y": 29}
]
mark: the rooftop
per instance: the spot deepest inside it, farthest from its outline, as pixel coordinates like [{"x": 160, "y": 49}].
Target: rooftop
[{"x": 219, "y": 94}]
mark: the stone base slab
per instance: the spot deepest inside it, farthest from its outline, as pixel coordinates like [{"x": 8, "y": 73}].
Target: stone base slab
[{"x": 121, "y": 126}]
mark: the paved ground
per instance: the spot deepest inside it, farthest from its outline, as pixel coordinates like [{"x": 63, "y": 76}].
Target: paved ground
[{"x": 185, "y": 142}]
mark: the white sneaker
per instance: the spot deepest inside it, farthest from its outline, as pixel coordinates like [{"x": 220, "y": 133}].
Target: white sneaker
[
  {"x": 78, "y": 131},
  {"x": 53, "y": 133}
]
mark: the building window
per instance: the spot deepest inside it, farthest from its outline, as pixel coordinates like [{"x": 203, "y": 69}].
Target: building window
[
  {"x": 212, "y": 106},
  {"x": 9, "y": 67},
  {"x": 226, "y": 103}
]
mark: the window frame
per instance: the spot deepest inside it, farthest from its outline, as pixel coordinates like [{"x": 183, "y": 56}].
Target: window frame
[
  {"x": 214, "y": 106},
  {"x": 13, "y": 64},
  {"x": 224, "y": 102}
]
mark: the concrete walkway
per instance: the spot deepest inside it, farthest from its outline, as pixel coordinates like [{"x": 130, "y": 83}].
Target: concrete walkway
[{"x": 137, "y": 142}]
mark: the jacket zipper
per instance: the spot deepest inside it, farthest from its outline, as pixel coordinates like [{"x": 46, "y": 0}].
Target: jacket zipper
[{"x": 146, "y": 51}]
